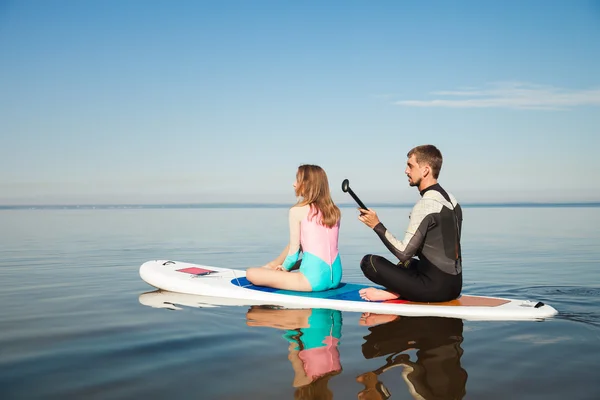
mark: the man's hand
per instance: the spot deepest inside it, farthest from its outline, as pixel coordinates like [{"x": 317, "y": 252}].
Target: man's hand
[{"x": 368, "y": 217}]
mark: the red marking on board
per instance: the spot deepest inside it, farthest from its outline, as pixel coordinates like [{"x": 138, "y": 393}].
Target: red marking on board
[
  {"x": 397, "y": 301},
  {"x": 195, "y": 271}
]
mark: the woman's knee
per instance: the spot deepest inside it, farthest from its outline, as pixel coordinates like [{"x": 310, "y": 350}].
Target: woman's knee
[{"x": 251, "y": 274}]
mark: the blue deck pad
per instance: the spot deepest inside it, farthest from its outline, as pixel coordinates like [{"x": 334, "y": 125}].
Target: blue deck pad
[{"x": 346, "y": 291}]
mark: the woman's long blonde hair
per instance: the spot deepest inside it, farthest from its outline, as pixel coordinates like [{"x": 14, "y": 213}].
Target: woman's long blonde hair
[{"x": 313, "y": 186}]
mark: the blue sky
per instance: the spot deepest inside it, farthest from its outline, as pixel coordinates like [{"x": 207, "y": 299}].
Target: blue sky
[{"x": 206, "y": 101}]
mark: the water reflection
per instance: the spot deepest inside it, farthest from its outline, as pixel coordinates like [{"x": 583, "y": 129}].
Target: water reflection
[
  {"x": 426, "y": 350},
  {"x": 313, "y": 336},
  {"x": 435, "y": 372}
]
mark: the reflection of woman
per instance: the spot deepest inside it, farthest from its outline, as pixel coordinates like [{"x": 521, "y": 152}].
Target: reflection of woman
[
  {"x": 313, "y": 335},
  {"x": 436, "y": 373}
]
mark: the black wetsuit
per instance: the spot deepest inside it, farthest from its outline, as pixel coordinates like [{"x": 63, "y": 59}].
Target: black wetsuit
[{"x": 433, "y": 235}]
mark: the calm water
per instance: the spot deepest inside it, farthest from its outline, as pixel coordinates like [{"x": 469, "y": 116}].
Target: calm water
[{"x": 73, "y": 323}]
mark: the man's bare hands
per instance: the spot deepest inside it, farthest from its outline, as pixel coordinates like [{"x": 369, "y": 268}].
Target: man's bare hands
[{"x": 368, "y": 217}]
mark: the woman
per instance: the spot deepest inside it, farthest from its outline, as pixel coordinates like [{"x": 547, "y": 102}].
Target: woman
[{"x": 314, "y": 231}]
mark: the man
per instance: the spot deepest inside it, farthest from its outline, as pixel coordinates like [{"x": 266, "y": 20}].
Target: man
[{"x": 433, "y": 235}]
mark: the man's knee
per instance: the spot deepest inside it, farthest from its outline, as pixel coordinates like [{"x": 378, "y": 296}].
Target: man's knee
[{"x": 366, "y": 264}]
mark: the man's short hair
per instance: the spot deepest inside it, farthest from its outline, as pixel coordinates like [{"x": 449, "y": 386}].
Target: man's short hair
[{"x": 430, "y": 155}]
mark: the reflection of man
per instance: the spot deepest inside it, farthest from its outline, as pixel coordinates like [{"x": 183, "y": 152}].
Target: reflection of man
[
  {"x": 436, "y": 374},
  {"x": 313, "y": 335}
]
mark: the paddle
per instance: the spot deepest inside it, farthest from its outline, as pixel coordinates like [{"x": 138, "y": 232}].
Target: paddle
[{"x": 346, "y": 189}]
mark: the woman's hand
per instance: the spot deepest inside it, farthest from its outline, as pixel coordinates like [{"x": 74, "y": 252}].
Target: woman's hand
[
  {"x": 270, "y": 265},
  {"x": 273, "y": 266}
]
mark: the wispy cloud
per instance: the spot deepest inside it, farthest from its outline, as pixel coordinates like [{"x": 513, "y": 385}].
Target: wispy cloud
[{"x": 515, "y": 95}]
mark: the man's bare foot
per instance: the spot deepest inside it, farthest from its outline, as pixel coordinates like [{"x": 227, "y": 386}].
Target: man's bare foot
[
  {"x": 369, "y": 319},
  {"x": 373, "y": 294}
]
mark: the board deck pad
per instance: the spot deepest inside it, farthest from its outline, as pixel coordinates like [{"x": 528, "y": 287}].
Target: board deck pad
[
  {"x": 462, "y": 301},
  {"x": 195, "y": 271},
  {"x": 350, "y": 292},
  {"x": 346, "y": 291}
]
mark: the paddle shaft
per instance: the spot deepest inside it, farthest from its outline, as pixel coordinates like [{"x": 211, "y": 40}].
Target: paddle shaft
[{"x": 357, "y": 200}]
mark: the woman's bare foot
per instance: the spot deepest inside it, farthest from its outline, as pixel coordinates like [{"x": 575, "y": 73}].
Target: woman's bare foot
[{"x": 374, "y": 294}]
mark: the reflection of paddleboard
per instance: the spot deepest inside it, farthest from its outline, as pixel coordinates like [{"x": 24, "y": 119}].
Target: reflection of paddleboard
[
  {"x": 171, "y": 300},
  {"x": 194, "y": 279}
]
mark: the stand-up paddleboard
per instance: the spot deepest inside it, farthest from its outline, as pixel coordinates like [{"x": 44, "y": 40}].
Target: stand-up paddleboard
[{"x": 193, "y": 279}]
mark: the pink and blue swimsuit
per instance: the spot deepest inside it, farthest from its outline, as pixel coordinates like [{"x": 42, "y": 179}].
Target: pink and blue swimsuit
[{"x": 321, "y": 263}]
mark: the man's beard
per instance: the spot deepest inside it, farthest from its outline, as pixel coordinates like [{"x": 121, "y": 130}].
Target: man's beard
[{"x": 414, "y": 183}]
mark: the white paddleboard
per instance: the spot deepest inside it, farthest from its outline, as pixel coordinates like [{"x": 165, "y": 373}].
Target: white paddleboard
[{"x": 231, "y": 284}]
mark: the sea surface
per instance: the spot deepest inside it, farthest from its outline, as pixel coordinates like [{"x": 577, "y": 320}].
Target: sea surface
[{"x": 75, "y": 321}]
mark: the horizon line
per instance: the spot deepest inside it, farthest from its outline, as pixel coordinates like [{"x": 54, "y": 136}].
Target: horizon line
[{"x": 514, "y": 204}]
